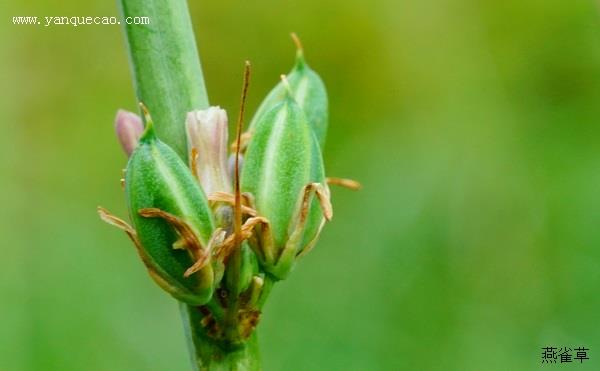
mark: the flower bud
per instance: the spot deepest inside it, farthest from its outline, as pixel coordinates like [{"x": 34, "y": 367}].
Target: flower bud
[
  {"x": 129, "y": 128},
  {"x": 207, "y": 137},
  {"x": 171, "y": 217},
  {"x": 283, "y": 158}
]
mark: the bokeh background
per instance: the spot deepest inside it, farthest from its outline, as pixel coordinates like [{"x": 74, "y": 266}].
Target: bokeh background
[{"x": 474, "y": 127}]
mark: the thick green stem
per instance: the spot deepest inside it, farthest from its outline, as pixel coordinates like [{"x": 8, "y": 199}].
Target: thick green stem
[
  {"x": 168, "y": 80},
  {"x": 165, "y": 65},
  {"x": 212, "y": 356}
]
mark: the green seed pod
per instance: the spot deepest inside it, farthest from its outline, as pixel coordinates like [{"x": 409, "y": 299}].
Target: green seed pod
[
  {"x": 237, "y": 279},
  {"x": 157, "y": 179},
  {"x": 282, "y": 168},
  {"x": 307, "y": 89}
]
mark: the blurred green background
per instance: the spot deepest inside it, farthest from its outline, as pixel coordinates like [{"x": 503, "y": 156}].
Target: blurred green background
[{"x": 472, "y": 125}]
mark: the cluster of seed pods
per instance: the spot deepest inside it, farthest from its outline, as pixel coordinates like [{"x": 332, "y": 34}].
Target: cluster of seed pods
[{"x": 224, "y": 223}]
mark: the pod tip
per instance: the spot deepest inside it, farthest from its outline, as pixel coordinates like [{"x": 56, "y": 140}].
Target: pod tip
[
  {"x": 297, "y": 41},
  {"x": 148, "y": 133},
  {"x": 286, "y": 84},
  {"x": 299, "y": 50}
]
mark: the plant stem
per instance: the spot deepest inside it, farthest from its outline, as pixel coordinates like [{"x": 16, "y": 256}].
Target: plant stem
[
  {"x": 210, "y": 355},
  {"x": 168, "y": 80},
  {"x": 165, "y": 65}
]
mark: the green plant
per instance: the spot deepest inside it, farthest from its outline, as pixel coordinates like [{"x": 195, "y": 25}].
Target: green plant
[{"x": 217, "y": 237}]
